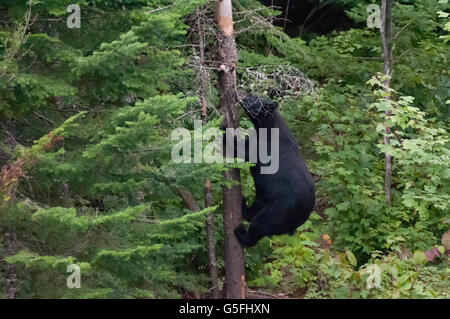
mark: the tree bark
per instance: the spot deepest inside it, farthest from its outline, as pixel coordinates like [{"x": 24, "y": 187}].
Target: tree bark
[
  {"x": 386, "y": 39},
  {"x": 210, "y": 238},
  {"x": 9, "y": 238},
  {"x": 191, "y": 204},
  {"x": 188, "y": 199},
  {"x": 232, "y": 197}
]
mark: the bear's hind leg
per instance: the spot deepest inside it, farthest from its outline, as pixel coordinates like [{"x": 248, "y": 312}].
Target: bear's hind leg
[
  {"x": 271, "y": 220},
  {"x": 248, "y": 212}
]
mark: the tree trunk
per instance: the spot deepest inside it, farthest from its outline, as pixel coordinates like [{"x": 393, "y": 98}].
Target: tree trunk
[
  {"x": 9, "y": 239},
  {"x": 232, "y": 197},
  {"x": 191, "y": 204},
  {"x": 188, "y": 199},
  {"x": 210, "y": 238},
  {"x": 9, "y": 236},
  {"x": 386, "y": 39},
  {"x": 211, "y": 242}
]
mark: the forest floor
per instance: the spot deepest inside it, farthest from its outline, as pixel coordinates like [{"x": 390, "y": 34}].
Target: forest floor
[{"x": 258, "y": 294}]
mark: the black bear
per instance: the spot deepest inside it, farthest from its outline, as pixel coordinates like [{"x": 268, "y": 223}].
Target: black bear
[{"x": 284, "y": 199}]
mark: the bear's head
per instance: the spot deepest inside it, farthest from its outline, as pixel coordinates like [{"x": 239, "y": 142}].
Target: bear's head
[{"x": 257, "y": 108}]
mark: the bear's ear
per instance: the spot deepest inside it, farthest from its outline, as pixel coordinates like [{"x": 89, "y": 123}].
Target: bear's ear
[{"x": 273, "y": 106}]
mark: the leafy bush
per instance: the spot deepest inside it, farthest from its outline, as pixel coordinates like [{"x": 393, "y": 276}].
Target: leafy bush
[
  {"x": 350, "y": 149},
  {"x": 296, "y": 264}
]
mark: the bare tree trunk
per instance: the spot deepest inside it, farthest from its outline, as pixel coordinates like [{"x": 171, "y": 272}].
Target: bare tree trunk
[
  {"x": 9, "y": 236},
  {"x": 191, "y": 204},
  {"x": 232, "y": 197},
  {"x": 9, "y": 239},
  {"x": 386, "y": 39},
  {"x": 188, "y": 199},
  {"x": 210, "y": 238},
  {"x": 211, "y": 242},
  {"x": 286, "y": 15},
  {"x": 202, "y": 70}
]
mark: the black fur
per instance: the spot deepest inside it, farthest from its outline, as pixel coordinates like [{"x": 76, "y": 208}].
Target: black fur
[{"x": 284, "y": 200}]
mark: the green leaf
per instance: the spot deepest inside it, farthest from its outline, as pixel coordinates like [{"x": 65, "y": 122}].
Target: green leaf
[
  {"x": 420, "y": 257},
  {"x": 351, "y": 258}
]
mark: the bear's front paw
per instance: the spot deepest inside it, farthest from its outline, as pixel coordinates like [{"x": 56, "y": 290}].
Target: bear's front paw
[
  {"x": 223, "y": 126},
  {"x": 240, "y": 232}
]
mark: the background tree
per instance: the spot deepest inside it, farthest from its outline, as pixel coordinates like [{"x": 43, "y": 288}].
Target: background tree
[{"x": 386, "y": 39}]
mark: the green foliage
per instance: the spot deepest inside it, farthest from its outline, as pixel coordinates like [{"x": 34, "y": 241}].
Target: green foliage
[
  {"x": 422, "y": 166},
  {"x": 444, "y": 15},
  {"x": 350, "y": 146},
  {"x": 382, "y": 277},
  {"x": 120, "y": 251},
  {"x": 100, "y": 186},
  {"x": 299, "y": 264}
]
